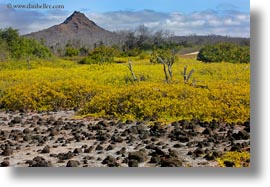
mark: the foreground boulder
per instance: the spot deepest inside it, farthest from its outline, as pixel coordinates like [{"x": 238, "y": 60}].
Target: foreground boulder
[
  {"x": 171, "y": 162},
  {"x": 140, "y": 156},
  {"x": 39, "y": 162},
  {"x": 73, "y": 163}
]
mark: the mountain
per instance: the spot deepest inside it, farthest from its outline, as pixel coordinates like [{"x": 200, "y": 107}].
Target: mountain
[{"x": 76, "y": 30}]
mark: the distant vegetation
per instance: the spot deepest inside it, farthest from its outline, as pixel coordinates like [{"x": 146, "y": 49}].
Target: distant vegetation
[
  {"x": 100, "y": 55},
  {"x": 140, "y": 42},
  {"x": 72, "y": 51},
  {"x": 225, "y": 52},
  {"x": 16, "y": 47},
  {"x": 193, "y": 40}
]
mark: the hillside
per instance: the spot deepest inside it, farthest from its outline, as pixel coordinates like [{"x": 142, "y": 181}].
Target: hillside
[{"x": 77, "y": 30}]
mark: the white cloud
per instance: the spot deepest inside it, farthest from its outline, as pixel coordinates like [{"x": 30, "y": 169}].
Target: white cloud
[{"x": 229, "y": 23}]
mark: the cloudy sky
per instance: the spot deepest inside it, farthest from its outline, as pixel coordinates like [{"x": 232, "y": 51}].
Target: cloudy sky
[{"x": 181, "y": 17}]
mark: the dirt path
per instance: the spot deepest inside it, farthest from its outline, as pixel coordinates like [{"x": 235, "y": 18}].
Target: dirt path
[{"x": 191, "y": 54}]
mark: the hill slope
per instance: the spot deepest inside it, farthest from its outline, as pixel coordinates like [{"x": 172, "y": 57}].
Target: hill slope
[{"x": 77, "y": 30}]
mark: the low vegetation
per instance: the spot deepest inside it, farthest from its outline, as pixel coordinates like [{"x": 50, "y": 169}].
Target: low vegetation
[
  {"x": 100, "y": 55},
  {"x": 12, "y": 46},
  {"x": 225, "y": 52},
  {"x": 235, "y": 159}
]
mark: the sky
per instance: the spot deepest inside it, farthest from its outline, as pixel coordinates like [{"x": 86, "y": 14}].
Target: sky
[{"x": 180, "y": 17}]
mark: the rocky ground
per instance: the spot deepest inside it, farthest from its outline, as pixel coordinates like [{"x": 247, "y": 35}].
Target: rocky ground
[{"x": 58, "y": 139}]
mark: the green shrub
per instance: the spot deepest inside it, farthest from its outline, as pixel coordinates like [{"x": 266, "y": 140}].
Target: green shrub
[
  {"x": 119, "y": 60},
  {"x": 226, "y": 52},
  {"x": 4, "y": 53},
  {"x": 71, "y": 51},
  {"x": 100, "y": 55},
  {"x": 84, "y": 51},
  {"x": 20, "y": 47},
  {"x": 88, "y": 60},
  {"x": 131, "y": 53}
]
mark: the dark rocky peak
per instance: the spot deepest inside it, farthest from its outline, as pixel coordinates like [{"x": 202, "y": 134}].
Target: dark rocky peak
[{"x": 80, "y": 20}]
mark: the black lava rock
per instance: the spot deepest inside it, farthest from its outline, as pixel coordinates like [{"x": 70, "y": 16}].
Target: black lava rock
[
  {"x": 133, "y": 163},
  {"x": 5, "y": 163},
  {"x": 155, "y": 159},
  {"x": 121, "y": 151},
  {"x": 198, "y": 152},
  {"x": 111, "y": 161},
  {"x": 89, "y": 150},
  {"x": 16, "y": 119},
  {"x": 103, "y": 123},
  {"x": 229, "y": 163},
  {"x": 183, "y": 139},
  {"x": 46, "y": 149},
  {"x": 77, "y": 150},
  {"x": 171, "y": 162},
  {"x": 129, "y": 121},
  {"x": 7, "y": 151},
  {"x": 99, "y": 147},
  {"x": 173, "y": 153},
  {"x": 140, "y": 156},
  {"x": 26, "y": 131},
  {"x": 159, "y": 151},
  {"x": 241, "y": 135},
  {"x": 207, "y": 131},
  {"x": 65, "y": 156},
  {"x": 209, "y": 157},
  {"x": 177, "y": 145},
  {"x": 110, "y": 147},
  {"x": 27, "y": 138},
  {"x": 73, "y": 163},
  {"x": 133, "y": 130},
  {"x": 39, "y": 162},
  {"x": 117, "y": 139}
]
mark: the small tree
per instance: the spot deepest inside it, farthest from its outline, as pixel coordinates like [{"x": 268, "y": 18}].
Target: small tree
[
  {"x": 167, "y": 59},
  {"x": 143, "y": 34}
]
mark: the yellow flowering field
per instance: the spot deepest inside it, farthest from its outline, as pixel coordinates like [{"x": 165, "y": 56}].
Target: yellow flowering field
[{"x": 215, "y": 91}]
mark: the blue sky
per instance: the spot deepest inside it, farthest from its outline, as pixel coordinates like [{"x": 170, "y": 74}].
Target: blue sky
[
  {"x": 185, "y": 6},
  {"x": 181, "y": 17}
]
